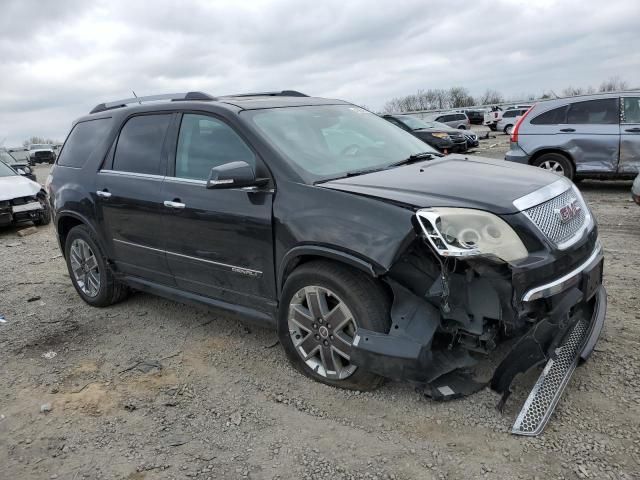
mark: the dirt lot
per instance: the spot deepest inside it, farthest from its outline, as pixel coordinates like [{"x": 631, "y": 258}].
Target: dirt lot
[{"x": 153, "y": 389}]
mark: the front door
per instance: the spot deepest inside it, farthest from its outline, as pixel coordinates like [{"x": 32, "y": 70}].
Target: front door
[
  {"x": 630, "y": 136},
  {"x": 129, "y": 198},
  {"x": 219, "y": 243}
]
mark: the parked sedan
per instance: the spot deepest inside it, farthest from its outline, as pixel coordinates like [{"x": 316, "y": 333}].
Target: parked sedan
[
  {"x": 438, "y": 135},
  {"x": 21, "y": 199},
  {"x": 22, "y": 168},
  {"x": 635, "y": 190}
]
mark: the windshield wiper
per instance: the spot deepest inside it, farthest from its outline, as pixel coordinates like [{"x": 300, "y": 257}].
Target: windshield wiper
[
  {"x": 412, "y": 158},
  {"x": 416, "y": 157}
]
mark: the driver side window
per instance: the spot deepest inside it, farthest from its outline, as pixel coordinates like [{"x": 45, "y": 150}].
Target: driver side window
[{"x": 205, "y": 142}]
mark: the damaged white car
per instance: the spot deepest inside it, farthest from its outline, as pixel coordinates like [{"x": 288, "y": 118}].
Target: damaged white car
[{"x": 21, "y": 199}]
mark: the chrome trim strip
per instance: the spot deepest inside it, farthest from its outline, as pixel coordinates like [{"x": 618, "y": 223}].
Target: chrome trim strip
[
  {"x": 132, "y": 174},
  {"x": 131, "y": 244},
  {"x": 234, "y": 268},
  {"x": 185, "y": 180},
  {"x": 542, "y": 194},
  {"x": 564, "y": 282}
]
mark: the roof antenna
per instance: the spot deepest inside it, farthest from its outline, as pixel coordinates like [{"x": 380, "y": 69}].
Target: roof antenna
[{"x": 134, "y": 94}]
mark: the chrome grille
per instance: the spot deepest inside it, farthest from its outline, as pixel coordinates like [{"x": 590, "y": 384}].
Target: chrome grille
[{"x": 547, "y": 219}]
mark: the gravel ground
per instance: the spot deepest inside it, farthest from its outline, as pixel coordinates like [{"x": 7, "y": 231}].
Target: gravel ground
[{"x": 152, "y": 389}]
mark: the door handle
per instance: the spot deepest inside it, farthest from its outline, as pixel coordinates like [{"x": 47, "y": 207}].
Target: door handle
[
  {"x": 567, "y": 129},
  {"x": 104, "y": 193},
  {"x": 634, "y": 129},
  {"x": 173, "y": 204}
]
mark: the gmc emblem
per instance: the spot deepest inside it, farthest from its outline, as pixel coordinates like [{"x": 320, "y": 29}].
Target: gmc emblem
[{"x": 569, "y": 211}]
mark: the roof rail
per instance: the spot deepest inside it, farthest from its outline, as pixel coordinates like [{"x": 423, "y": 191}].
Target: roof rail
[
  {"x": 174, "y": 97},
  {"x": 282, "y": 93}
]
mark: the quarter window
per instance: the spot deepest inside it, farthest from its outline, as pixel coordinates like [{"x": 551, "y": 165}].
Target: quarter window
[
  {"x": 82, "y": 142},
  {"x": 632, "y": 110},
  {"x": 139, "y": 148},
  {"x": 594, "y": 112},
  {"x": 206, "y": 142},
  {"x": 552, "y": 117}
]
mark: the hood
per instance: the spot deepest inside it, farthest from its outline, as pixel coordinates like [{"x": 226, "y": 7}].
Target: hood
[
  {"x": 16, "y": 186},
  {"x": 452, "y": 181},
  {"x": 450, "y": 131}
]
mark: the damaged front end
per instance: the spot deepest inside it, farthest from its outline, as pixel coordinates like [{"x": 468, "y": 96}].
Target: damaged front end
[{"x": 469, "y": 312}]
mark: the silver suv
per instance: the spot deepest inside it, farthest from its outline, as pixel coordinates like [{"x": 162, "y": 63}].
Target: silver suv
[
  {"x": 453, "y": 119},
  {"x": 578, "y": 137}
]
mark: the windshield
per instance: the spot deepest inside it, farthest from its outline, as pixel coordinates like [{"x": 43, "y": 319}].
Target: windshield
[
  {"x": 39, "y": 147},
  {"x": 329, "y": 141},
  {"x": 7, "y": 158},
  {"x": 6, "y": 171}
]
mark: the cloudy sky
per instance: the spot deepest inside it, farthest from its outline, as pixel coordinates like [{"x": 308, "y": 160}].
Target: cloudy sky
[{"x": 60, "y": 58}]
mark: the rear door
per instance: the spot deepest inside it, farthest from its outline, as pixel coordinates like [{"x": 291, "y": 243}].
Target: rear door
[
  {"x": 592, "y": 134},
  {"x": 219, "y": 242},
  {"x": 630, "y": 136},
  {"x": 129, "y": 197}
]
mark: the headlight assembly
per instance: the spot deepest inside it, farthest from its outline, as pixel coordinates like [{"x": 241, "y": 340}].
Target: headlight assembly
[
  {"x": 440, "y": 135},
  {"x": 464, "y": 232}
]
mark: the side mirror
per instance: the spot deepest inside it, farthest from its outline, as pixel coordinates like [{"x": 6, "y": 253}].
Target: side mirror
[
  {"x": 234, "y": 175},
  {"x": 21, "y": 172}
]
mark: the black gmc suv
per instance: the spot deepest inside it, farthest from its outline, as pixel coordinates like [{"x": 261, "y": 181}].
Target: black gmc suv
[{"x": 372, "y": 256}]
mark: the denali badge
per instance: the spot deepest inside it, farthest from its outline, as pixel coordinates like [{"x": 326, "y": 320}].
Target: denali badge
[{"x": 567, "y": 212}]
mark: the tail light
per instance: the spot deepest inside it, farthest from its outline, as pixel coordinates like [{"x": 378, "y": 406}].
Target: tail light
[{"x": 514, "y": 132}]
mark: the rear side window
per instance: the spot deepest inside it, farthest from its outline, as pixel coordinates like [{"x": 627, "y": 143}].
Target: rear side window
[
  {"x": 82, "y": 142},
  {"x": 139, "y": 148},
  {"x": 594, "y": 112},
  {"x": 461, "y": 116},
  {"x": 510, "y": 113},
  {"x": 552, "y": 117}
]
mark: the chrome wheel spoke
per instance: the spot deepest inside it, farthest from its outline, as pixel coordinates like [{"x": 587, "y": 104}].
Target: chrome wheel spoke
[
  {"x": 91, "y": 262},
  {"x": 338, "y": 317},
  {"x": 302, "y": 317},
  {"x": 317, "y": 303},
  {"x": 328, "y": 362}
]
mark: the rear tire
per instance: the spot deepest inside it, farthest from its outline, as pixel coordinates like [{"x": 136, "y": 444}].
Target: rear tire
[
  {"x": 89, "y": 271},
  {"x": 556, "y": 163},
  {"x": 493, "y": 127},
  {"x": 359, "y": 300}
]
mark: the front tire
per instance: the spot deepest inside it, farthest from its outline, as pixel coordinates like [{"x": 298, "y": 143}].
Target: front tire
[
  {"x": 91, "y": 276},
  {"x": 44, "y": 217},
  {"x": 508, "y": 129},
  {"x": 323, "y": 304}
]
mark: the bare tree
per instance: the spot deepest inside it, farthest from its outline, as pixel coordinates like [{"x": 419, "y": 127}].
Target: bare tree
[
  {"x": 459, "y": 97},
  {"x": 36, "y": 140},
  {"x": 490, "y": 97},
  {"x": 613, "y": 84}
]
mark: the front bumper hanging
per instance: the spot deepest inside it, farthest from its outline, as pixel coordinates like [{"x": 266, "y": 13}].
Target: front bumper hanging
[{"x": 546, "y": 393}]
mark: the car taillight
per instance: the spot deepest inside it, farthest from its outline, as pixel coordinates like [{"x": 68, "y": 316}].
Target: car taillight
[{"x": 514, "y": 132}]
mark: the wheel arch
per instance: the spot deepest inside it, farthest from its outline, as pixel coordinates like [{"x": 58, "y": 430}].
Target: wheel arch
[
  {"x": 65, "y": 221},
  {"x": 537, "y": 154},
  {"x": 303, "y": 254}
]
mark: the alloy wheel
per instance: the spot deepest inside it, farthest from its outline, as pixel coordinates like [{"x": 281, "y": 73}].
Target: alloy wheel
[
  {"x": 322, "y": 329},
  {"x": 85, "y": 267},
  {"x": 553, "y": 166}
]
